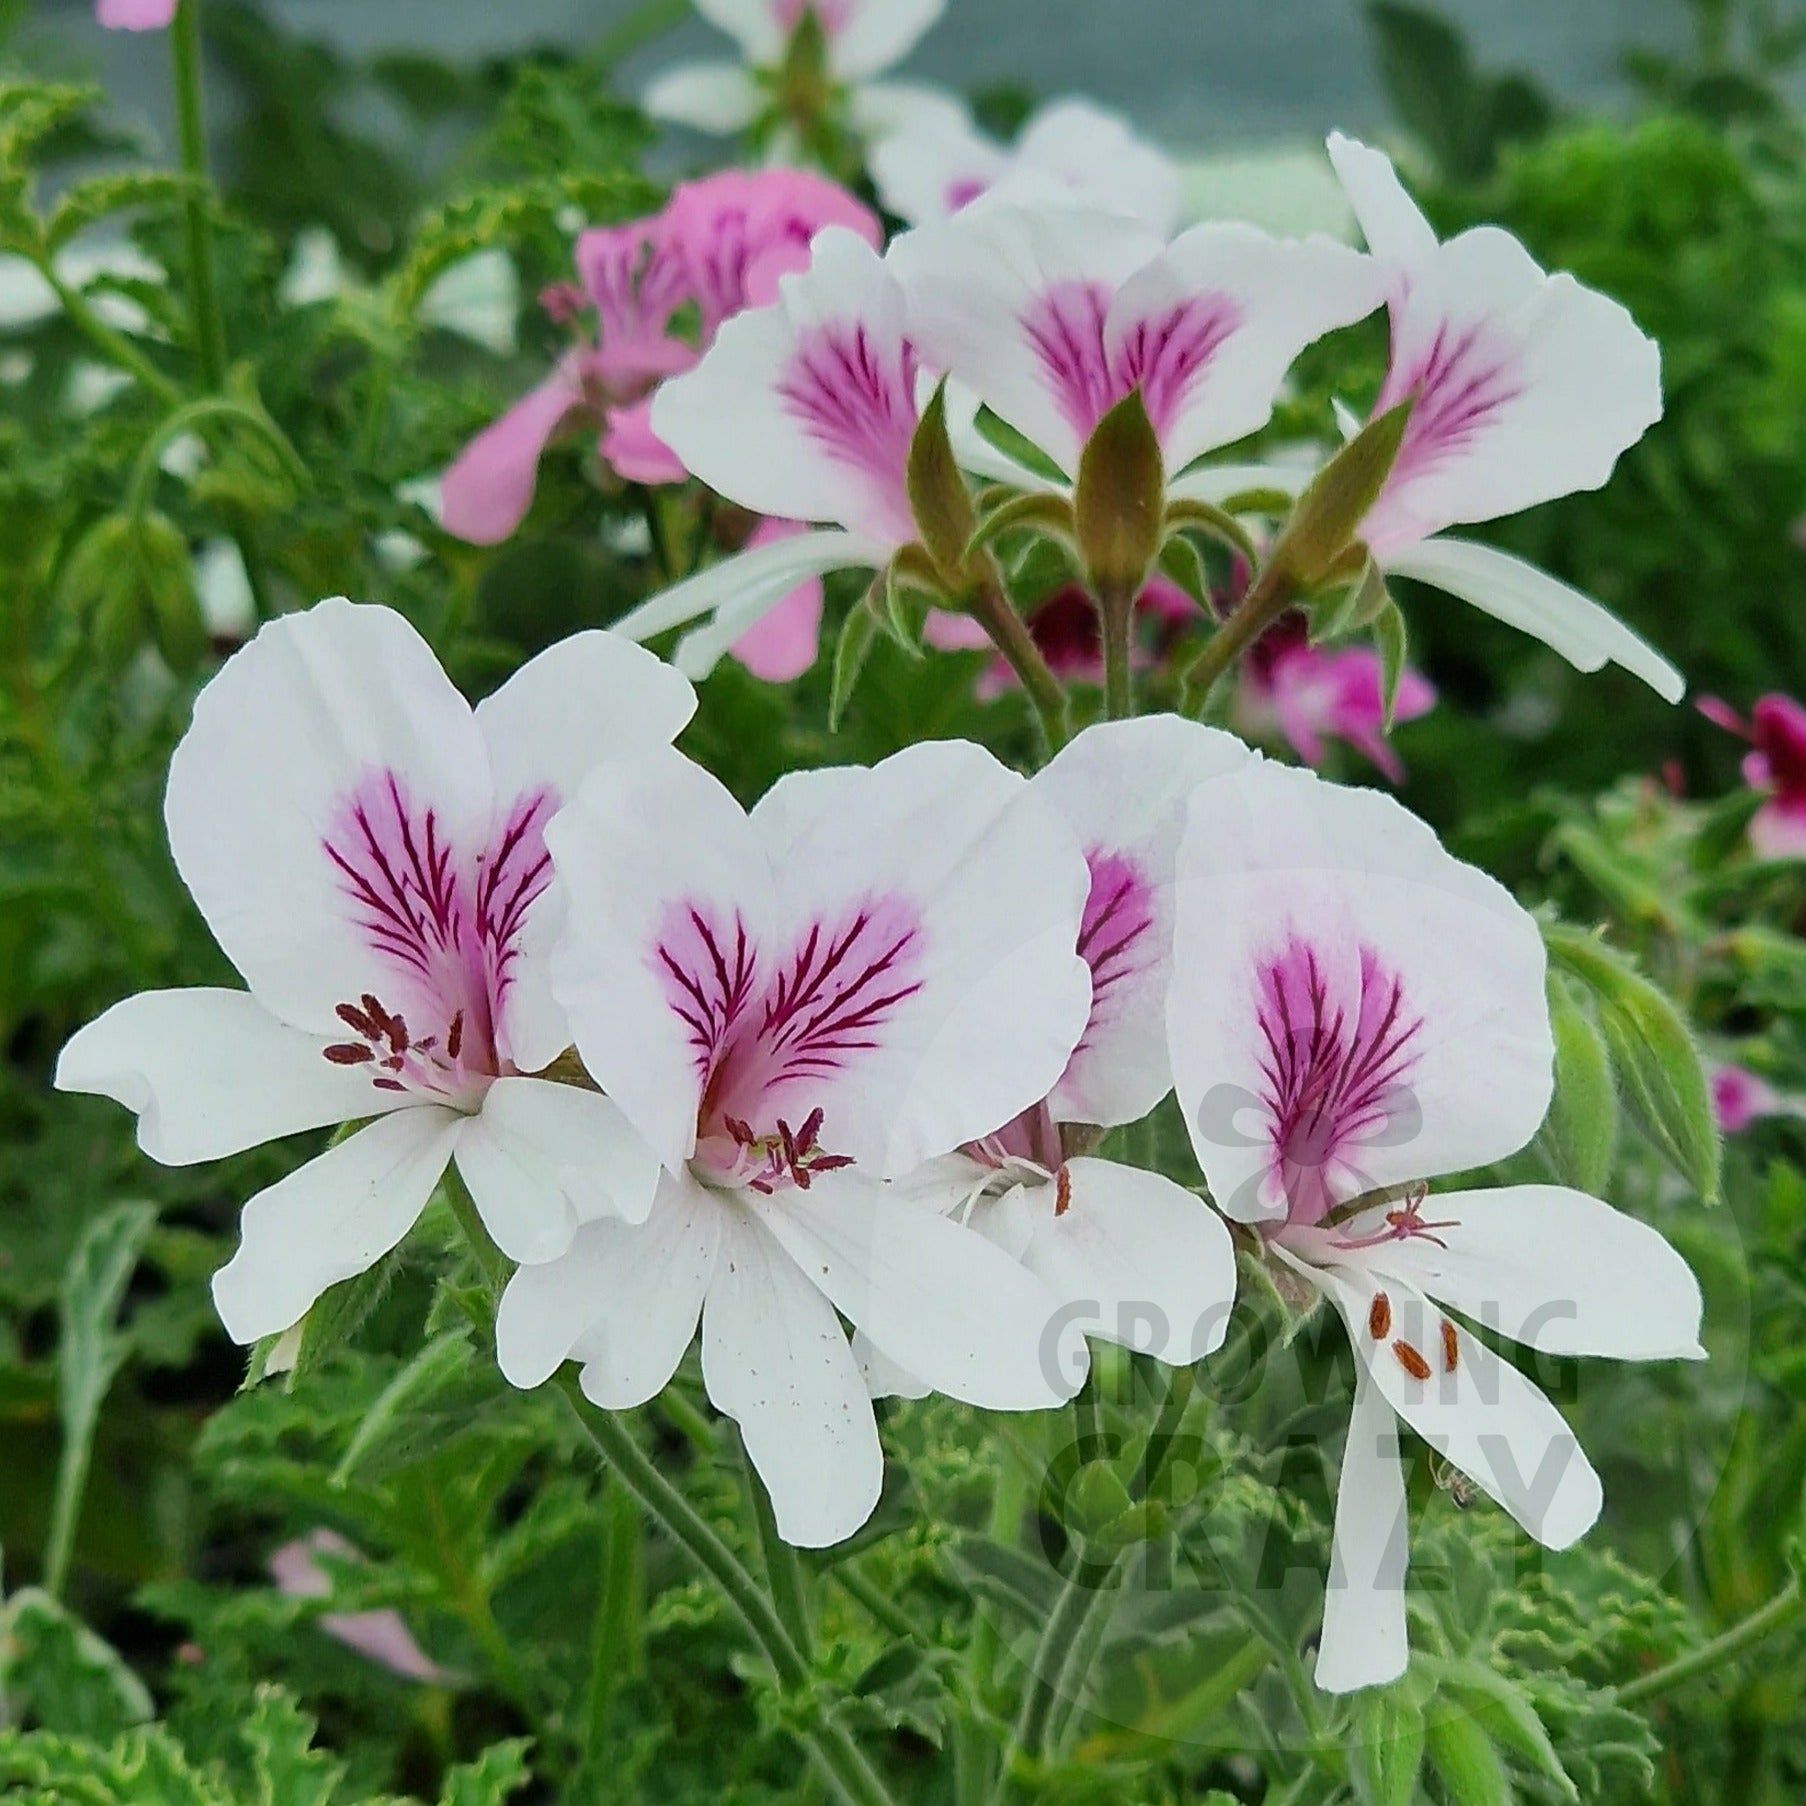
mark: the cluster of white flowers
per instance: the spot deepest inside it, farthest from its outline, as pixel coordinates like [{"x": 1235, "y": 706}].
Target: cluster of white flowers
[{"x": 827, "y": 1078}]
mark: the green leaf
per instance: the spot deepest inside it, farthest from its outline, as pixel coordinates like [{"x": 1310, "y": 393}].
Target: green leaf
[
  {"x": 1505, "y": 1710},
  {"x": 340, "y": 1312},
  {"x": 1047, "y": 515},
  {"x": 1580, "y": 1134},
  {"x": 1119, "y": 502},
  {"x": 1658, "y": 1065},
  {"x": 123, "y": 191},
  {"x": 1386, "y": 1746},
  {"x": 492, "y": 1780},
  {"x": 858, "y": 633},
  {"x": 1392, "y": 641},
  {"x": 938, "y": 497},
  {"x": 56, "y": 1674},
  {"x": 1467, "y": 1761}
]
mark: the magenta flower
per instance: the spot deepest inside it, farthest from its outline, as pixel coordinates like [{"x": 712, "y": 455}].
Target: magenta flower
[
  {"x": 1307, "y": 694},
  {"x": 134, "y": 15},
  {"x": 1777, "y": 731},
  {"x": 719, "y": 246},
  {"x": 381, "y": 1637},
  {"x": 1740, "y": 1096}
]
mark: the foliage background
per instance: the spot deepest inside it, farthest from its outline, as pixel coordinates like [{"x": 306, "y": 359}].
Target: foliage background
[{"x": 150, "y": 1659}]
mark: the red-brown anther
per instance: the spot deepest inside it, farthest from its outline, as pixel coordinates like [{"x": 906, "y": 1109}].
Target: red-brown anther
[
  {"x": 830, "y": 1163},
  {"x": 1379, "y": 1316},
  {"x": 805, "y": 1136},
  {"x": 398, "y": 1035},
  {"x": 1062, "y": 1191},
  {"x": 454, "y": 1036},
  {"x": 349, "y": 1053},
  {"x": 741, "y": 1131},
  {"x": 788, "y": 1143},
  {"x": 359, "y": 1024},
  {"x": 1412, "y": 1362},
  {"x": 1451, "y": 1347},
  {"x": 388, "y": 1085}
]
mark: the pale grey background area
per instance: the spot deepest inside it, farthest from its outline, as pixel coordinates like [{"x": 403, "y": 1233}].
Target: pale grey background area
[{"x": 1197, "y": 74}]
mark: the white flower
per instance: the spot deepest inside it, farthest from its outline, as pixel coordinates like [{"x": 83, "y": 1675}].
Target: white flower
[
  {"x": 802, "y": 411},
  {"x": 369, "y": 852},
  {"x": 1354, "y": 1013},
  {"x": 1053, "y": 315},
  {"x": 1525, "y": 387},
  {"x": 1132, "y": 1256},
  {"x": 870, "y": 969},
  {"x": 1071, "y": 149},
  {"x": 860, "y": 39}
]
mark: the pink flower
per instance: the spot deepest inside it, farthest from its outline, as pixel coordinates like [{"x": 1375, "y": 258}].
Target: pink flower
[
  {"x": 780, "y": 646},
  {"x": 134, "y": 15},
  {"x": 720, "y": 245},
  {"x": 1777, "y": 730},
  {"x": 1307, "y": 694},
  {"x": 381, "y": 1636},
  {"x": 1739, "y": 1096}
]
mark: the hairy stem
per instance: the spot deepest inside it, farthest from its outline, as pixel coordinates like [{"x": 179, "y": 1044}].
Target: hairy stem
[
  {"x": 209, "y": 323},
  {"x": 835, "y": 1753},
  {"x": 115, "y": 347},
  {"x": 993, "y": 611},
  {"x": 1777, "y": 1614},
  {"x": 1272, "y": 594},
  {"x": 1116, "y": 617}
]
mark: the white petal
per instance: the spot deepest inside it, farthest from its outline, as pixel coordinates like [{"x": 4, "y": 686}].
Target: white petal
[
  {"x": 883, "y": 1377},
  {"x": 882, "y": 109},
  {"x": 646, "y": 843},
  {"x": 768, "y": 572},
  {"x": 624, "y": 1300},
  {"x": 805, "y": 410},
  {"x": 776, "y": 1360},
  {"x": 1364, "y": 1640},
  {"x": 1210, "y": 328},
  {"x": 212, "y": 1072},
  {"x": 1217, "y": 483},
  {"x": 1395, "y": 229},
  {"x": 592, "y": 697},
  {"x": 541, "y": 1158},
  {"x": 1138, "y": 1260},
  {"x": 942, "y": 1302},
  {"x": 708, "y": 97},
  {"x": 1099, "y": 158},
  {"x": 755, "y": 25},
  {"x": 1011, "y": 301},
  {"x": 331, "y": 1220},
  {"x": 1278, "y": 869},
  {"x": 926, "y": 173},
  {"x": 1122, "y": 788},
  {"x": 989, "y": 887},
  {"x": 1555, "y": 1269},
  {"x": 1481, "y": 1413},
  {"x": 282, "y": 735},
  {"x": 1530, "y": 386},
  {"x": 1517, "y": 593},
  {"x": 879, "y": 33}
]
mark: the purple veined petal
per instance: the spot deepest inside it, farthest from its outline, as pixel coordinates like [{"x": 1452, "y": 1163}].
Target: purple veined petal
[
  {"x": 325, "y": 810},
  {"x": 487, "y": 491},
  {"x": 669, "y": 898},
  {"x": 940, "y": 1301},
  {"x": 776, "y": 1360},
  {"x": 943, "y": 855},
  {"x": 1364, "y": 1641},
  {"x": 1471, "y": 1406},
  {"x": 211, "y": 1073},
  {"x": 1012, "y": 302},
  {"x": 1351, "y": 1007},
  {"x": 379, "y": 1636},
  {"x": 1135, "y": 1259},
  {"x": 134, "y": 15},
  {"x": 1208, "y": 329},
  {"x": 1121, "y": 789},
  {"x": 331, "y": 1220},
  {"x": 1513, "y": 591},
  {"x": 782, "y": 644},
  {"x": 1551, "y": 1268},
  {"x": 634, "y": 276},
  {"x": 806, "y": 410}
]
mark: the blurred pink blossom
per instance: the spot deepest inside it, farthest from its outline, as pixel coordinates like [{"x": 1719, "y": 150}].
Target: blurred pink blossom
[
  {"x": 720, "y": 245},
  {"x": 1776, "y": 729},
  {"x": 134, "y": 15},
  {"x": 1739, "y": 1096},
  {"x": 380, "y": 1636}
]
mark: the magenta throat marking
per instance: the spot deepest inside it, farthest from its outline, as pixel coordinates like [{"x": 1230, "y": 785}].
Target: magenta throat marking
[
  {"x": 447, "y": 928},
  {"x": 1113, "y": 934},
  {"x": 1332, "y": 1067},
  {"x": 766, "y": 1040},
  {"x": 1460, "y": 384}
]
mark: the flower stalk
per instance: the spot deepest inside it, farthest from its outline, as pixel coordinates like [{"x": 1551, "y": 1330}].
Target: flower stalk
[{"x": 209, "y": 322}]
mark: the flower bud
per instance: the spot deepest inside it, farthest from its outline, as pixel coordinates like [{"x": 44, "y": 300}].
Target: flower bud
[{"x": 1120, "y": 499}]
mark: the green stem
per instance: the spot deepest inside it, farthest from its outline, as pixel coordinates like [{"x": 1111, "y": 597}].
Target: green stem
[
  {"x": 828, "y": 1742},
  {"x": 782, "y": 1569},
  {"x": 615, "y": 1637},
  {"x": 1116, "y": 617},
  {"x": 879, "y": 1604},
  {"x": 196, "y": 414},
  {"x": 115, "y": 347},
  {"x": 66, "y": 1507},
  {"x": 993, "y": 611},
  {"x": 1780, "y": 1611},
  {"x": 1272, "y": 594},
  {"x": 209, "y": 324}
]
